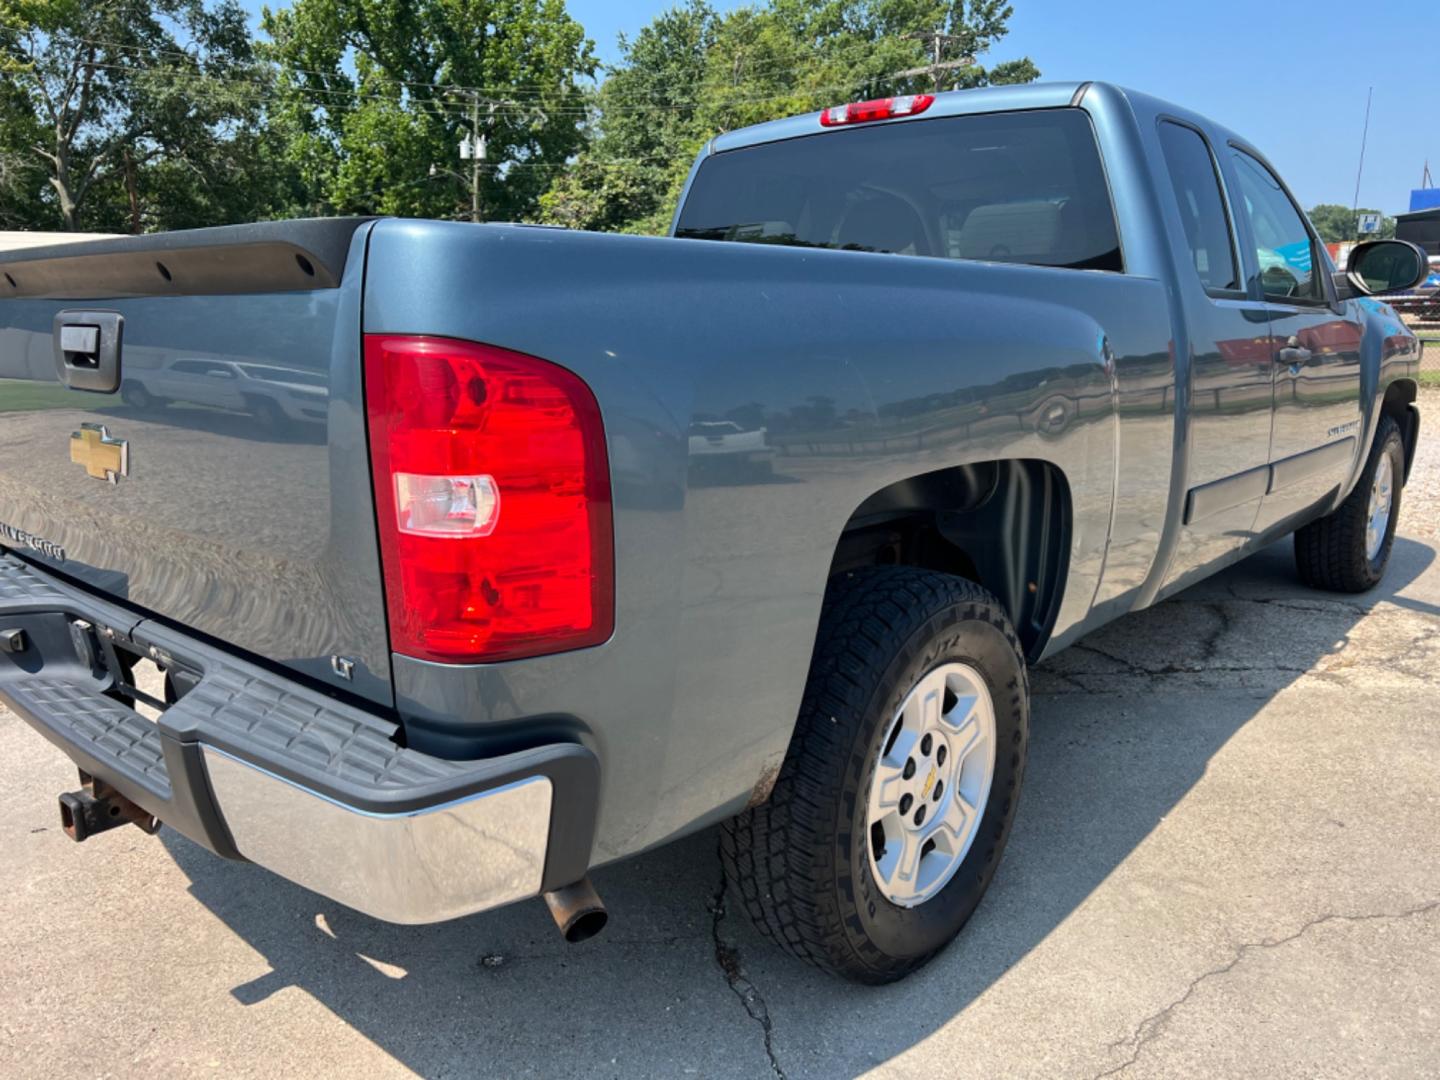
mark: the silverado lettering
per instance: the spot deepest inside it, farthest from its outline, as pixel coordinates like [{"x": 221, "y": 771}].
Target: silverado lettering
[{"x": 34, "y": 543}]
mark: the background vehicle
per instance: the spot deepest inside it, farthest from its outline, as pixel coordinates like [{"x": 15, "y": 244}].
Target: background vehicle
[
  {"x": 273, "y": 395},
  {"x": 723, "y": 446},
  {"x": 454, "y": 656}
]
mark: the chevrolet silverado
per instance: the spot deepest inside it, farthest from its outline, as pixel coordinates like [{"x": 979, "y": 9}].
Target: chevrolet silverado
[{"x": 587, "y": 542}]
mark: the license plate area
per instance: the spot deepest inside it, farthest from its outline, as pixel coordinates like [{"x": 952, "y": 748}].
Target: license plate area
[{"x": 145, "y": 679}]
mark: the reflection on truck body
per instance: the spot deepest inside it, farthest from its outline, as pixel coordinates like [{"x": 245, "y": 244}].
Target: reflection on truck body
[{"x": 273, "y": 394}]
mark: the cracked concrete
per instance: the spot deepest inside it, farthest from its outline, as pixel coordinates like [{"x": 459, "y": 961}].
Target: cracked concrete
[
  {"x": 727, "y": 959},
  {"x": 1153, "y": 1026},
  {"x": 1225, "y": 863}
]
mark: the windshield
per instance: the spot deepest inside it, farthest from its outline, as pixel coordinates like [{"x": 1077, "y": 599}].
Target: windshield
[{"x": 1024, "y": 187}]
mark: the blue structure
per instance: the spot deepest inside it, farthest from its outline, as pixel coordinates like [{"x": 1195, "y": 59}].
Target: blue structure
[{"x": 1424, "y": 199}]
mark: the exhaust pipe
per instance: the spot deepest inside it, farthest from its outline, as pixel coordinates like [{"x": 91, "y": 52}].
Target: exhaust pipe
[
  {"x": 97, "y": 807},
  {"x": 578, "y": 910}
]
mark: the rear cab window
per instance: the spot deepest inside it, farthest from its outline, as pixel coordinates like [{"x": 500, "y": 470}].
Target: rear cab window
[
  {"x": 1195, "y": 180},
  {"x": 1022, "y": 187}
]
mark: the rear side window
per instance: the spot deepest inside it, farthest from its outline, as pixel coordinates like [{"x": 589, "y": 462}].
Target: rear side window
[
  {"x": 1284, "y": 247},
  {"x": 200, "y": 367},
  {"x": 1202, "y": 208},
  {"x": 1024, "y": 187}
]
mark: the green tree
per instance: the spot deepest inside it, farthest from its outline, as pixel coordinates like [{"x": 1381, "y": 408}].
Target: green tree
[
  {"x": 650, "y": 128},
  {"x": 22, "y": 179},
  {"x": 1336, "y": 223},
  {"x": 692, "y": 73},
  {"x": 102, "y": 101},
  {"x": 377, "y": 97}
]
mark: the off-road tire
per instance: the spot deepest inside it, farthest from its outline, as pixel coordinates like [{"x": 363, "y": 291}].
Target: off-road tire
[
  {"x": 1330, "y": 553},
  {"x": 800, "y": 861}
]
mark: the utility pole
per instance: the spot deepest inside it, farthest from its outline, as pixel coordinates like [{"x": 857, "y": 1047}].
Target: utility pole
[
  {"x": 476, "y": 147},
  {"x": 477, "y": 158},
  {"x": 937, "y": 41},
  {"x": 134, "y": 194}
]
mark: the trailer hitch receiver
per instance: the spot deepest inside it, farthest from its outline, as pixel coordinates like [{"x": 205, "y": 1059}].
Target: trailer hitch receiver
[{"x": 97, "y": 807}]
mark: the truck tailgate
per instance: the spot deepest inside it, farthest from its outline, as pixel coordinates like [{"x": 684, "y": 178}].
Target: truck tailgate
[{"x": 223, "y": 484}]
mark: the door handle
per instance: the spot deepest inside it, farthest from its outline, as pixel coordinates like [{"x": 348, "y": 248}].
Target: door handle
[{"x": 1293, "y": 354}]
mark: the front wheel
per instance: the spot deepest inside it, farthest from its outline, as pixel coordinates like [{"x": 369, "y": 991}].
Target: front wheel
[
  {"x": 268, "y": 415},
  {"x": 900, "y": 786},
  {"x": 1348, "y": 550}
]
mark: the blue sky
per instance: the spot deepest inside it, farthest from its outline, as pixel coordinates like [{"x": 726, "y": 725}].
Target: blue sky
[{"x": 1290, "y": 77}]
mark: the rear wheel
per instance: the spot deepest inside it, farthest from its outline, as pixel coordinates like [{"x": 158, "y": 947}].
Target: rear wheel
[
  {"x": 900, "y": 786},
  {"x": 1348, "y": 550}
]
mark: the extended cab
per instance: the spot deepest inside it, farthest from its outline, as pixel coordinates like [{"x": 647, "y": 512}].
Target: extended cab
[{"x": 431, "y": 565}]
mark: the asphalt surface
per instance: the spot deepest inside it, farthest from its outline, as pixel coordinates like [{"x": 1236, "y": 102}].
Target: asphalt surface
[{"x": 1227, "y": 861}]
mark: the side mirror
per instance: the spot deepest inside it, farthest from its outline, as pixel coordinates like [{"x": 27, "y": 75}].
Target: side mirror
[{"x": 1385, "y": 266}]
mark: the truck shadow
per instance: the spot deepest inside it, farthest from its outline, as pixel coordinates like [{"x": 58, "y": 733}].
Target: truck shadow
[{"x": 681, "y": 984}]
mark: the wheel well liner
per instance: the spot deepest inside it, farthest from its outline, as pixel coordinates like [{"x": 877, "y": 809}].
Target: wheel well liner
[
  {"x": 1003, "y": 524},
  {"x": 1399, "y": 402}
]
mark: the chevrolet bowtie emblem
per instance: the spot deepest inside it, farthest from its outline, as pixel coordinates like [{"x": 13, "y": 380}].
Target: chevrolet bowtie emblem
[{"x": 104, "y": 458}]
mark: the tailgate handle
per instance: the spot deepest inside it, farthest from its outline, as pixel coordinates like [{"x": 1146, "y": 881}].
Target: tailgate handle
[{"x": 87, "y": 350}]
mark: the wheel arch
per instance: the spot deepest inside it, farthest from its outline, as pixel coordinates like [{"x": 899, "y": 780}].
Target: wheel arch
[{"x": 1005, "y": 524}]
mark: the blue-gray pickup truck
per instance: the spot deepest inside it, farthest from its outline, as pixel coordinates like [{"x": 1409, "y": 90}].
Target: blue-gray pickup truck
[{"x": 431, "y": 565}]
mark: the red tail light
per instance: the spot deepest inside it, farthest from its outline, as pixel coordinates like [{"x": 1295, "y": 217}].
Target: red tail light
[
  {"x": 862, "y": 112},
  {"x": 492, "y": 492}
]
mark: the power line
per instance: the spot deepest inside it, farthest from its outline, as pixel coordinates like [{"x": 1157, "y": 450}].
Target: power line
[
  {"x": 365, "y": 91},
  {"x": 513, "y": 91},
  {"x": 459, "y": 105},
  {"x": 525, "y": 89}
]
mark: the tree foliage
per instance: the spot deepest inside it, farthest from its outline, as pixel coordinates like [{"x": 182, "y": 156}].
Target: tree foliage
[
  {"x": 693, "y": 72},
  {"x": 1336, "y": 223},
  {"x": 376, "y": 96},
  {"x": 118, "y": 114}
]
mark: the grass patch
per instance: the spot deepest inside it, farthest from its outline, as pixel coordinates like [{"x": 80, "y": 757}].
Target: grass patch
[
  {"x": 1430, "y": 378},
  {"x": 24, "y": 396}
]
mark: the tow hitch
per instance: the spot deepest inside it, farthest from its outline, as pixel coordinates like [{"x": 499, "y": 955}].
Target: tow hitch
[{"x": 97, "y": 807}]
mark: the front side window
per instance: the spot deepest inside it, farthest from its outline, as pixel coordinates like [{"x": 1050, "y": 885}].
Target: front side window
[
  {"x": 1023, "y": 187},
  {"x": 1202, "y": 208},
  {"x": 1284, "y": 248}
]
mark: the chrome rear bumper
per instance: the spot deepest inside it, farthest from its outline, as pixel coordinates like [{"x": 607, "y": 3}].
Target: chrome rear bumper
[
  {"x": 414, "y": 866},
  {"x": 252, "y": 765}
]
